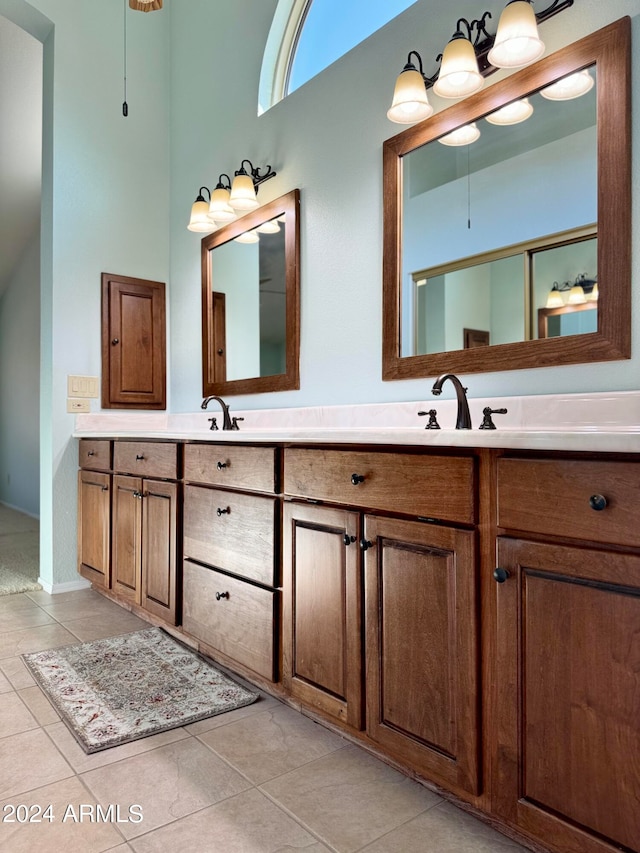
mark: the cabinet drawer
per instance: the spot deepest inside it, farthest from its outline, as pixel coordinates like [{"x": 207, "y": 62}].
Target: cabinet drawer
[
  {"x": 434, "y": 486},
  {"x": 239, "y": 623},
  {"x": 553, "y": 496},
  {"x": 95, "y": 454},
  {"x": 227, "y": 465},
  {"x": 231, "y": 530},
  {"x": 146, "y": 459}
]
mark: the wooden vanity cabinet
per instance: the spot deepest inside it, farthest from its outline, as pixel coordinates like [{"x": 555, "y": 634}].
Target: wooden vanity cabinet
[
  {"x": 94, "y": 511},
  {"x": 567, "y": 690},
  {"x": 410, "y": 585},
  {"x": 144, "y": 529},
  {"x": 231, "y": 574}
]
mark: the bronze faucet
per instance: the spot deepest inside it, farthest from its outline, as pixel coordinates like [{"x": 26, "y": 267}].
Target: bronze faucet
[
  {"x": 226, "y": 420},
  {"x": 464, "y": 416}
]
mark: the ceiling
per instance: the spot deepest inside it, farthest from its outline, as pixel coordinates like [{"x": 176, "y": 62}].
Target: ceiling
[{"x": 20, "y": 143}]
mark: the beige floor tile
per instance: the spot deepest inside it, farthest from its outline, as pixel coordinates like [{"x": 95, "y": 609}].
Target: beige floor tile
[
  {"x": 82, "y": 607},
  {"x": 35, "y": 699},
  {"x": 444, "y": 829},
  {"x": 18, "y": 601},
  {"x": 247, "y": 823},
  {"x": 16, "y": 672},
  {"x": 272, "y": 743},
  {"x": 30, "y": 617},
  {"x": 264, "y": 703},
  {"x": 349, "y": 798},
  {"x": 168, "y": 783},
  {"x": 81, "y": 762},
  {"x": 5, "y": 684},
  {"x": 52, "y": 636},
  {"x": 29, "y": 760},
  {"x": 105, "y": 625},
  {"x": 44, "y": 598},
  {"x": 66, "y": 831},
  {"x": 14, "y": 716}
]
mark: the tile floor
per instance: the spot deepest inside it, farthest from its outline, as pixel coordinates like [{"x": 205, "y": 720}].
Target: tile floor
[{"x": 258, "y": 780}]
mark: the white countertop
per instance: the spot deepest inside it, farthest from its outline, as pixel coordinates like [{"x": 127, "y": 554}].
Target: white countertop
[{"x": 605, "y": 422}]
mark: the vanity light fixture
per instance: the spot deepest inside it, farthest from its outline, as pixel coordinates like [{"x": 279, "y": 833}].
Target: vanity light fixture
[
  {"x": 247, "y": 237},
  {"x": 578, "y": 292},
  {"x": 270, "y": 227},
  {"x": 145, "y": 5},
  {"x": 512, "y": 113},
  {"x": 572, "y": 86},
  {"x": 472, "y": 54},
  {"x": 227, "y": 197},
  {"x": 464, "y": 135}
]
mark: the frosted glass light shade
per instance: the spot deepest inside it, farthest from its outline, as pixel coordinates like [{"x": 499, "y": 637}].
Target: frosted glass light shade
[
  {"x": 572, "y": 86},
  {"x": 464, "y": 135},
  {"x": 576, "y": 295},
  {"x": 200, "y": 221},
  {"x": 554, "y": 299},
  {"x": 248, "y": 237},
  {"x": 512, "y": 113},
  {"x": 220, "y": 208},
  {"x": 459, "y": 75},
  {"x": 517, "y": 42},
  {"x": 270, "y": 227},
  {"x": 410, "y": 102},
  {"x": 243, "y": 193},
  {"x": 593, "y": 296}
]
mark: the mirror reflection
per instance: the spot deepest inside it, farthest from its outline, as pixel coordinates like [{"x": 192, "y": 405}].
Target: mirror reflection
[
  {"x": 491, "y": 226},
  {"x": 251, "y": 302}
]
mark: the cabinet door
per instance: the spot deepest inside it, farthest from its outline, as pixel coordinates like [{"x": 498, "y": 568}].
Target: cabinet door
[
  {"x": 422, "y": 648},
  {"x": 94, "y": 511},
  {"x": 568, "y": 696},
  {"x": 126, "y": 541},
  {"x": 159, "y": 516},
  {"x": 322, "y": 602},
  {"x": 133, "y": 343}
]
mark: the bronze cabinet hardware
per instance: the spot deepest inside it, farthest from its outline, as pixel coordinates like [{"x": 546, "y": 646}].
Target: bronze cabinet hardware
[
  {"x": 500, "y": 575},
  {"x": 220, "y": 595},
  {"x": 598, "y": 502},
  {"x": 357, "y": 478}
]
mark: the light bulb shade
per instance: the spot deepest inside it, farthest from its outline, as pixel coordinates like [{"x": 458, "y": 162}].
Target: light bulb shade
[
  {"x": 464, "y": 135},
  {"x": 410, "y": 102},
  {"x": 243, "y": 193},
  {"x": 517, "y": 42},
  {"x": 554, "y": 299},
  {"x": 512, "y": 113},
  {"x": 220, "y": 208},
  {"x": 270, "y": 227},
  {"x": 459, "y": 75},
  {"x": 248, "y": 237},
  {"x": 576, "y": 295},
  {"x": 593, "y": 296},
  {"x": 572, "y": 86},
  {"x": 200, "y": 221}
]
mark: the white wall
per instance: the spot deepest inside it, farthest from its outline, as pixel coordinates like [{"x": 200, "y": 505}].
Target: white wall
[{"x": 20, "y": 384}]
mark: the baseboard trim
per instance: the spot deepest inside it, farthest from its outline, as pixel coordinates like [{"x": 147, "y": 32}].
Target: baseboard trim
[
  {"x": 20, "y": 509},
  {"x": 70, "y": 586}
]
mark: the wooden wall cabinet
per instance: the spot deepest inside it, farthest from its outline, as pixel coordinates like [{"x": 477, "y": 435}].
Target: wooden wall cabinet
[{"x": 133, "y": 343}]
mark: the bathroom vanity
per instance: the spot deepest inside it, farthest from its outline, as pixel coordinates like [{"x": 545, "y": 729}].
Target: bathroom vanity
[{"x": 465, "y": 604}]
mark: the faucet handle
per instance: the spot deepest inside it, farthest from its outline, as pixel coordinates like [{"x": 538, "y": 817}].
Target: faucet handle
[
  {"x": 214, "y": 423},
  {"x": 432, "y": 422},
  {"x": 234, "y": 422},
  {"x": 487, "y": 423}
]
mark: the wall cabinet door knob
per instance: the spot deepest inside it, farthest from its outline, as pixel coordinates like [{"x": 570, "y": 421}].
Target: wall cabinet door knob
[
  {"x": 598, "y": 502},
  {"x": 500, "y": 575},
  {"x": 115, "y": 341}
]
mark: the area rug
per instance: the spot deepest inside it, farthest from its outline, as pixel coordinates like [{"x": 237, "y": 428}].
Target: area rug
[{"x": 119, "y": 689}]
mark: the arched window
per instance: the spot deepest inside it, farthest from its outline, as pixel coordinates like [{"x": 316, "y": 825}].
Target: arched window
[{"x": 308, "y": 35}]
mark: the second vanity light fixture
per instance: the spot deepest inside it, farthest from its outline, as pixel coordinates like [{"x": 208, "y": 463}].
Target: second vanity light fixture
[
  {"x": 228, "y": 199},
  {"x": 470, "y": 56}
]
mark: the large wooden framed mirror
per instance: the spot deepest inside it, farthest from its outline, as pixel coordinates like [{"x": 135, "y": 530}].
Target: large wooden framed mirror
[
  {"x": 251, "y": 302},
  {"x": 476, "y": 234}
]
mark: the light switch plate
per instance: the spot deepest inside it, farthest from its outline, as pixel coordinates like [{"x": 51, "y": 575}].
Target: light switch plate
[
  {"x": 75, "y": 404},
  {"x": 82, "y": 386}
]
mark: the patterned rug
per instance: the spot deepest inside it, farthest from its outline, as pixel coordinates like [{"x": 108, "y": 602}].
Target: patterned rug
[{"x": 116, "y": 690}]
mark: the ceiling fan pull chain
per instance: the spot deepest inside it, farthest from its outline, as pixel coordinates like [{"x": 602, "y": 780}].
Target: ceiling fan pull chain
[{"x": 125, "y": 105}]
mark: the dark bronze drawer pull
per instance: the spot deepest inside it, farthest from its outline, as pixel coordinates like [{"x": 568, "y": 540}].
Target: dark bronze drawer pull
[
  {"x": 91, "y": 453},
  {"x": 357, "y": 478},
  {"x": 221, "y": 465},
  {"x": 598, "y": 502},
  {"x": 220, "y": 595},
  {"x": 500, "y": 575},
  {"x": 139, "y": 457},
  {"x": 105, "y": 488},
  {"x": 222, "y": 511}
]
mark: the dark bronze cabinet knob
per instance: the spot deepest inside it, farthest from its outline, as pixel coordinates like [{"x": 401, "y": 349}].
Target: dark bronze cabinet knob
[
  {"x": 221, "y": 465},
  {"x": 139, "y": 457},
  {"x": 365, "y": 544},
  {"x": 115, "y": 341},
  {"x": 223, "y": 511},
  {"x": 220, "y": 595},
  {"x": 598, "y": 502},
  {"x": 220, "y": 352},
  {"x": 500, "y": 575},
  {"x": 357, "y": 478},
  {"x": 91, "y": 453},
  {"x": 348, "y": 540}
]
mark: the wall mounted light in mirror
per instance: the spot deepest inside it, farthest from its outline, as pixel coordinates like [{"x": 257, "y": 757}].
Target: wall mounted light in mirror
[
  {"x": 471, "y": 55},
  {"x": 475, "y": 234},
  {"x": 251, "y": 302}
]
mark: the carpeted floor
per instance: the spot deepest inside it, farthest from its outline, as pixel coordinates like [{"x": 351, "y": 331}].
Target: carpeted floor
[{"x": 19, "y": 551}]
